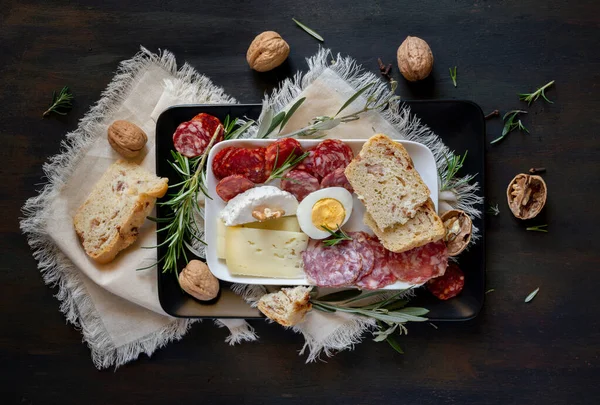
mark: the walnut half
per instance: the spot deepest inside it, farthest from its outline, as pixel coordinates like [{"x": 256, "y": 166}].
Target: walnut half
[
  {"x": 265, "y": 213},
  {"x": 197, "y": 280},
  {"x": 526, "y": 195},
  {"x": 459, "y": 229}
]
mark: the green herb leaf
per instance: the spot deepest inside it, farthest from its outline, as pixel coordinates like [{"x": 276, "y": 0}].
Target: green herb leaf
[
  {"x": 291, "y": 112},
  {"x": 340, "y": 295},
  {"x": 538, "y": 228},
  {"x": 392, "y": 342},
  {"x": 490, "y": 290},
  {"x": 265, "y": 124},
  {"x": 453, "y": 75},
  {"x": 61, "y": 103},
  {"x": 291, "y": 162},
  {"x": 308, "y": 30},
  {"x": 336, "y": 236},
  {"x": 493, "y": 210},
  {"x": 354, "y": 97},
  {"x": 531, "y": 97},
  {"x": 276, "y": 121},
  {"x": 453, "y": 164},
  {"x": 510, "y": 124},
  {"x": 532, "y": 295}
]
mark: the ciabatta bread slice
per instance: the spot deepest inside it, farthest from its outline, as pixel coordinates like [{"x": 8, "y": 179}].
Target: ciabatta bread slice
[
  {"x": 288, "y": 306},
  {"x": 384, "y": 178},
  {"x": 424, "y": 228},
  {"x": 110, "y": 218}
]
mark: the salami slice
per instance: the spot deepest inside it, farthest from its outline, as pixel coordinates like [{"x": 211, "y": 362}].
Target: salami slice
[
  {"x": 308, "y": 163},
  {"x": 192, "y": 137},
  {"x": 363, "y": 245},
  {"x": 418, "y": 265},
  {"x": 299, "y": 183},
  {"x": 449, "y": 285},
  {"x": 329, "y": 155},
  {"x": 334, "y": 266},
  {"x": 381, "y": 274},
  {"x": 248, "y": 162},
  {"x": 281, "y": 150},
  {"x": 337, "y": 178},
  {"x": 233, "y": 185}
]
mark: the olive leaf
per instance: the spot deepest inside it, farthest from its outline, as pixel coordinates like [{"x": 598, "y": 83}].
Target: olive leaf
[{"x": 265, "y": 124}]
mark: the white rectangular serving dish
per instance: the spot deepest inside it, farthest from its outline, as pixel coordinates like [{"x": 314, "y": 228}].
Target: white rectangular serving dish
[{"x": 422, "y": 158}]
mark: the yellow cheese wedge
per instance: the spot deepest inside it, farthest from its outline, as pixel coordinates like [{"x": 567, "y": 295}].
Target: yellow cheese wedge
[
  {"x": 289, "y": 224},
  {"x": 264, "y": 253}
]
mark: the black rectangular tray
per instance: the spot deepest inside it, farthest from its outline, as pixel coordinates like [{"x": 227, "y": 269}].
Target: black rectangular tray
[{"x": 461, "y": 126}]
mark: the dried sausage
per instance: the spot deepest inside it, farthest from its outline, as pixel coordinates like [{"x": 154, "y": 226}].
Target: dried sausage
[
  {"x": 233, "y": 185},
  {"x": 449, "y": 285},
  {"x": 281, "y": 150},
  {"x": 334, "y": 266},
  {"x": 337, "y": 178},
  {"x": 299, "y": 183},
  {"x": 248, "y": 162},
  {"x": 420, "y": 264},
  {"x": 192, "y": 137},
  {"x": 329, "y": 155}
]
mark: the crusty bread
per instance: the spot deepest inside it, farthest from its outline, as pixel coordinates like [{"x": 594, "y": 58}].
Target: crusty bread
[
  {"x": 286, "y": 307},
  {"x": 424, "y": 228},
  {"x": 384, "y": 178},
  {"x": 109, "y": 220}
]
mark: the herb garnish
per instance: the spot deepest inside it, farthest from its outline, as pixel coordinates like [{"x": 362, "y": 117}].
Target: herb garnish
[
  {"x": 493, "y": 210},
  {"x": 510, "y": 124},
  {"x": 308, "y": 30},
  {"x": 538, "y": 228},
  {"x": 291, "y": 162},
  {"x": 454, "y": 164},
  {"x": 531, "y": 97},
  {"x": 230, "y": 132},
  {"x": 336, "y": 236},
  {"x": 61, "y": 103},
  {"x": 532, "y": 295},
  {"x": 490, "y": 290},
  {"x": 269, "y": 122},
  {"x": 453, "y": 75}
]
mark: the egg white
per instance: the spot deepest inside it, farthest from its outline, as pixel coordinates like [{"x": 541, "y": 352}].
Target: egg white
[{"x": 304, "y": 212}]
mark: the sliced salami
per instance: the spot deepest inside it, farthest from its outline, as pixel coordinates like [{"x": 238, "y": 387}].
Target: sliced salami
[
  {"x": 334, "y": 266},
  {"x": 281, "y": 150},
  {"x": 233, "y": 185},
  {"x": 418, "y": 265},
  {"x": 449, "y": 285},
  {"x": 337, "y": 178},
  {"x": 363, "y": 245},
  {"x": 299, "y": 183},
  {"x": 247, "y": 162},
  {"x": 381, "y": 275},
  {"x": 308, "y": 163},
  {"x": 329, "y": 155},
  {"x": 192, "y": 137}
]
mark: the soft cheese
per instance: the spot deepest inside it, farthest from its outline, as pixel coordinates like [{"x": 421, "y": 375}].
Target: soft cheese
[
  {"x": 241, "y": 209},
  {"x": 264, "y": 253}
]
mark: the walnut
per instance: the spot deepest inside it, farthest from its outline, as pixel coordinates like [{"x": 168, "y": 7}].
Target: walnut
[
  {"x": 526, "y": 195},
  {"x": 415, "y": 59},
  {"x": 197, "y": 280},
  {"x": 267, "y": 51},
  {"x": 264, "y": 213},
  {"x": 126, "y": 138},
  {"x": 459, "y": 228}
]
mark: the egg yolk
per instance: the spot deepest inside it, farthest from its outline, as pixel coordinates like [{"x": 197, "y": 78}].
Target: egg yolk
[{"x": 328, "y": 212}]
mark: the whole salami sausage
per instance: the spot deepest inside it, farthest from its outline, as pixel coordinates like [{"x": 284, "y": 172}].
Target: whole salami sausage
[
  {"x": 329, "y": 155},
  {"x": 233, "y": 185},
  {"x": 381, "y": 275},
  {"x": 192, "y": 137},
  {"x": 449, "y": 285},
  {"x": 281, "y": 150},
  {"x": 418, "y": 265},
  {"x": 334, "y": 266},
  {"x": 337, "y": 178},
  {"x": 248, "y": 162},
  {"x": 299, "y": 183}
]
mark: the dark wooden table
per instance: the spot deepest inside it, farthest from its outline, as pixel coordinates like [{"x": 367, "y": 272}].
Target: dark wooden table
[{"x": 544, "y": 352}]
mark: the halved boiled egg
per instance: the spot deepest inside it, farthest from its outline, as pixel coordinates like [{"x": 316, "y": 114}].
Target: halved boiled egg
[{"x": 329, "y": 207}]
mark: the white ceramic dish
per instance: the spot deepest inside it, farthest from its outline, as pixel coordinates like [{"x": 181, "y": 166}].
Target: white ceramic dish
[{"x": 422, "y": 158}]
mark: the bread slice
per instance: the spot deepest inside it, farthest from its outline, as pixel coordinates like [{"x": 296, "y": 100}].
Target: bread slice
[
  {"x": 424, "y": 228},
  {"x": 109, "y": 220},
  {"x": 384, "y": 178},
  {"x": 286, "y": 307}
]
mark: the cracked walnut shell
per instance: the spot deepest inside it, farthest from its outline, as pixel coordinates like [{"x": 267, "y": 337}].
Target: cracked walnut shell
[
  {"x": 459, "y": 229},
  {"x": 526, "y": 195},
  {"x": 267, "y": 51},
  {"x": 197, "y": 280},
  {"x": 415, "y": 59},
  {"x": 126, "y": 138}
]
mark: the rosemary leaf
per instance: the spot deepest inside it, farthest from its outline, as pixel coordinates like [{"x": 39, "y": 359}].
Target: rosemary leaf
[
  {"x": 236, "y": 133},
  {"x": 308, "y": 30},
  {"x": 510, "y": 124},
  {"x": 532, "y": 295},
  {"x": 61, "y": 103},
  {"x": 291, "y": 162},
  {"x": 336, "y": 236},
  {"x": 453, "y": 75},
  {"x": 493, "y": 210},
  {"x": 538, "y": 228},
  {"x": 531, "y": 97}
]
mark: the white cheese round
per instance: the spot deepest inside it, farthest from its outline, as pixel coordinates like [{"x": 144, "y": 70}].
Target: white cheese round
[{"x": 240, "y": 208}]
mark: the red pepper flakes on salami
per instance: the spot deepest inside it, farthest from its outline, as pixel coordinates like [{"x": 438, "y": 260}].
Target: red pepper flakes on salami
[
  {"x": 448, "y": 285},
  {"x": 281, "y": 150},
  {"x": 329, "y": 155},
  {"x": 192, "y": 137},
  {"x": 248, "y": 162},
  {"x": 420, "y": 264},
  {"x": 299, "y": 183},
  {"x": 337, "y": 178},
  {"x": 233, "y": 185}
]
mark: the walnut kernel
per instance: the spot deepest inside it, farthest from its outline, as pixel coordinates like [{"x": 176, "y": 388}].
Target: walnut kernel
[
  {"x": 526, "y": 195},
  {"x": 459, "y": 229},
  {"x": 267, "y": 51}
]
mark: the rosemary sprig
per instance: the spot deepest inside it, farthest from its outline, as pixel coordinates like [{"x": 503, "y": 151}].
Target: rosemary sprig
[
  {"x": 453, "y": 75},
  {"x": 454, "y": 163},
  {"x": 493, "y": 210},
  {"x": 180, "y": 225},
  {"x": 531, "y": 97},
  {"x": 308, "y": 30},
  {"x": 336, "y": 236},
  {"x": 229, "y": 128},
  {"x": 291, "y": 162},
  {"x": 532, "y": 295},
  {"x": 510, "y": 124},
  {"x": 61, "y": 103},
  {"x": 538, "y": 228}
]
